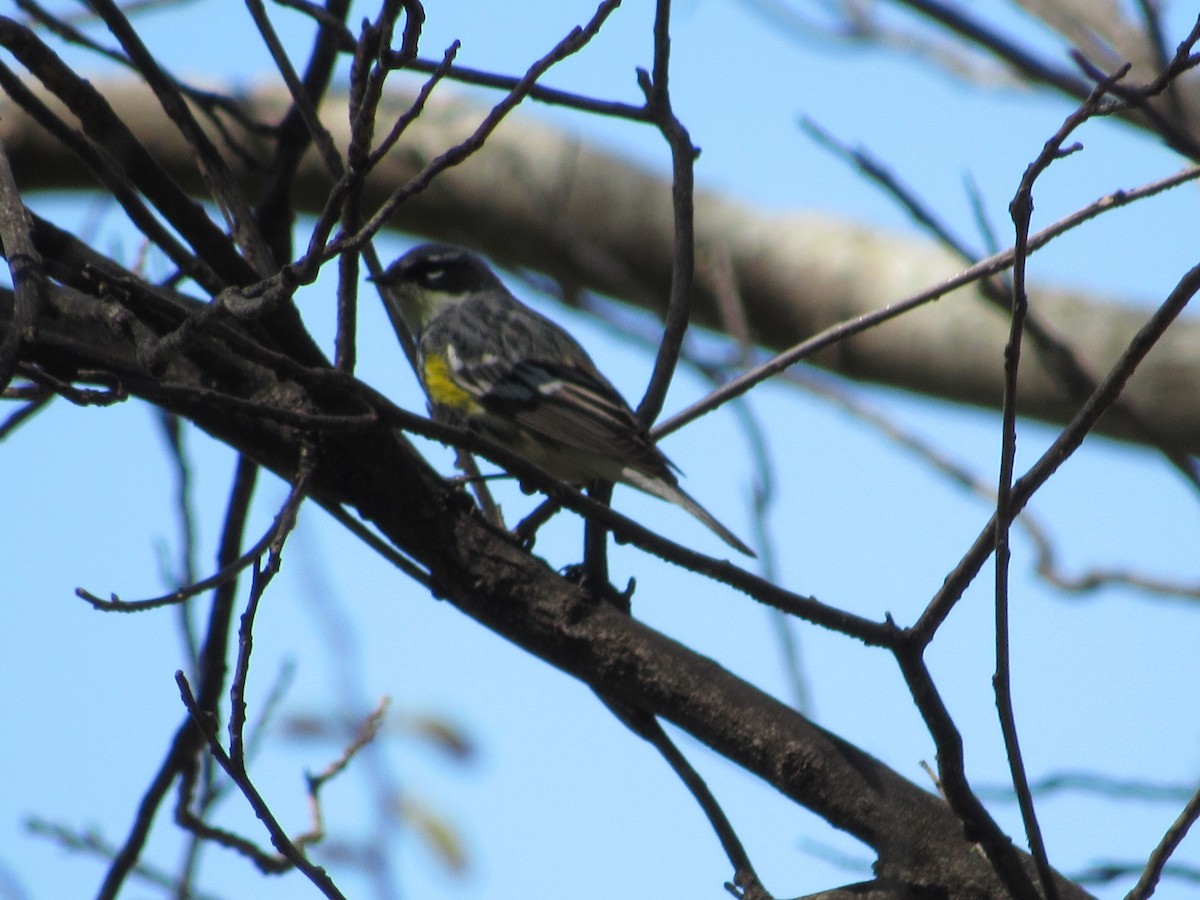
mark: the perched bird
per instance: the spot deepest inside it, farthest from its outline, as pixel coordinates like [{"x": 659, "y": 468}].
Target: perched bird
[{"x": 488, "y": 361}]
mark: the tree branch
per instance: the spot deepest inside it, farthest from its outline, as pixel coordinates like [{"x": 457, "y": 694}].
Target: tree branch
[
  {"x": 796, "y": 274},
  {"x": 472, "y": 565}
]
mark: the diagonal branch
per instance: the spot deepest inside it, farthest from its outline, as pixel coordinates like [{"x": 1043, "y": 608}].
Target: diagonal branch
[{"x": 475, "y": 568}]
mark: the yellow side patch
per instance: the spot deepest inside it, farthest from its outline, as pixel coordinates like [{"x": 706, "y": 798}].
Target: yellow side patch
[{"x": 442, "y": 388}]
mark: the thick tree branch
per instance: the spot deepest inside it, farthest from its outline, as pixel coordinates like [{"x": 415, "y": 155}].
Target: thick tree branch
[
  {"x": 539, "y": 198},
  {"x": 918, "y": 839}
]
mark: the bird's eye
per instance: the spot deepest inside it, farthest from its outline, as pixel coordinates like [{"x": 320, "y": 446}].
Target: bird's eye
[{"x": 435, "y": 274}]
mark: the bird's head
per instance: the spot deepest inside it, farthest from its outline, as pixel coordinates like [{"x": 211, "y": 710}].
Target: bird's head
[{"x": 431, "y": 277}]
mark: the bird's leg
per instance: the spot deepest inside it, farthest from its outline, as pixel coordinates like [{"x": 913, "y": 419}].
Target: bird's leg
[{"x": 465, "y": 462}]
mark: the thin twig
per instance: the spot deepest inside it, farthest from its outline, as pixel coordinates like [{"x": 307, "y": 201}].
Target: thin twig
[
  {"x": 218, "y": 177},
  {"x": 992, "y": 265},
  {"x": 279, "y": 839},
  {"x": 977, "y": 821},
  {"x": 284, "y": 522},
  {"x": 1137, "y": 98},
  {"x": 180, "y": 761},
  {"x": 172, "y": 429},
  {"x": 301, "y": 126},
  {"x": 366, "y": 734},
  {"x": 571, "y": 44},
  {"x": 595, "y": 542},
  {"x": 25, "y": 412},
  {"x": 1063, "y": 446},
  {"x": 746, "y": 883},
  {"x": 91, "y": 842},
  {"x": 1021, "y": 209},
  {"x": 1055, "y": 352},
  {"x": 551, "y": 96},
  {"x": 1162, "y": 853},
  {"x": 380, "y": 546},
  {"x": 260, "y": 579},
  {"x": 655, "y": 85}
]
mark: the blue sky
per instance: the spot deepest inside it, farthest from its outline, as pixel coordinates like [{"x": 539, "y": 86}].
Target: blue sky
[{"x": 558, "y": 800}]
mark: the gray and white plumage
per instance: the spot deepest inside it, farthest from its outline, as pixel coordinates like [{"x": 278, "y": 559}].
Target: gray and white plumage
[{"x": 487, "y": 360}]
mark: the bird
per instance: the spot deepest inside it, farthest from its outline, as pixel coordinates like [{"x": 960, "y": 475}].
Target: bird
[{"x": 487, "y": 361}]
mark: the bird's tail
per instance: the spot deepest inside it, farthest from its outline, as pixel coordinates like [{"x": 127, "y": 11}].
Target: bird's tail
[{"x": 673, "y": 493}]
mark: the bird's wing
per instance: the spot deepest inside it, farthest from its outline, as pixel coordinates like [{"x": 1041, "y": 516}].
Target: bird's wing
[
  {"x": 569, "y": 403},
  {"x": 544, "y": 383}
]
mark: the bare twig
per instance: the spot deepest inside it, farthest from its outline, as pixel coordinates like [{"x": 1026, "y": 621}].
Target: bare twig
[
  {"x": 212, "y": 167},
  {"x": 101, "y": 123},
  {"x": 279, "y": 839},
  {"x": 952, "y": 777},
  {"x": 572, "y": 43},
  {"x": 384, "y": 549},
  {"x": 92, "y": 842},
  {"x": 992, "y": 265},
  {"x": 1063, "y": 446},
  {"x": 746, "y": 883},
  {"x": 172, "y": 430},
  {"x": 284, "y": 521},
  {"x": 300, "y": 127},
  {"x": 550, "y": 96},
  {"x": 655, "y": 85},
  {"x": 1137, "y": 98},
  {"x": 1055, "y": 352},
  {"x": 366, "y": 733},
  {"x": 1162, "y": 853},
  {"x": 1021, "y": 209},
  {"x": 181, "y": 756},
  {"x": 31, "y": 408}
]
